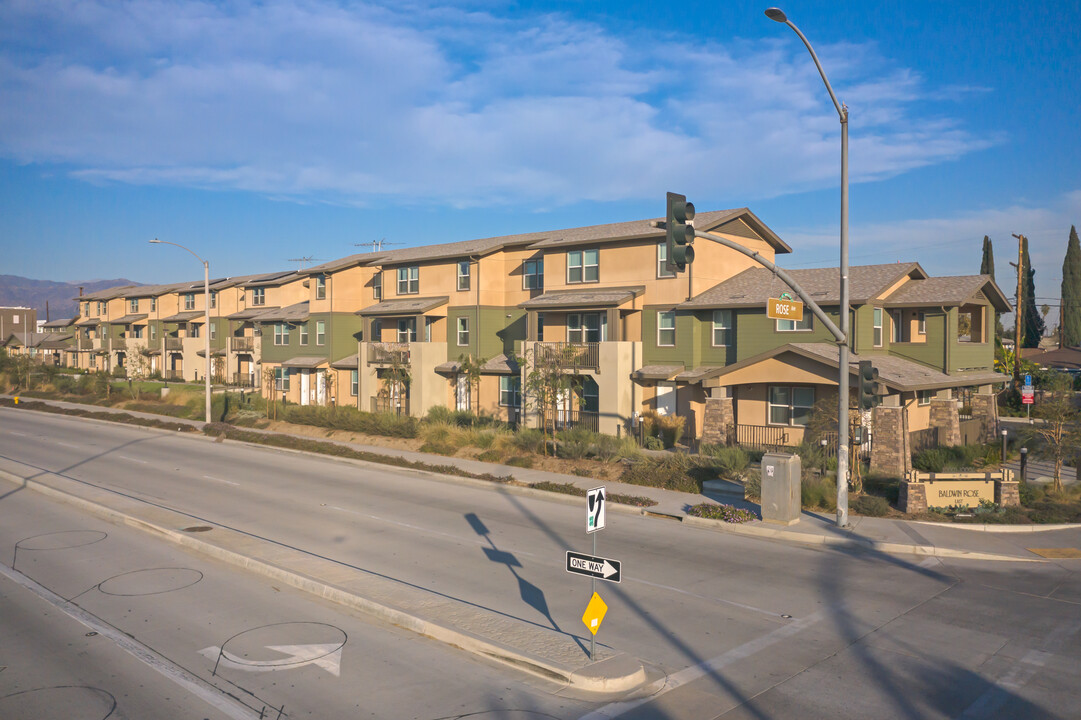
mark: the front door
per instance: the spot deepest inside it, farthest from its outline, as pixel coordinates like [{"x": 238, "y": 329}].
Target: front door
[
  {"x": 462, "y": 393},
  {"x": 305, "y": 385},
  {"x": 666, "y": 398},
  {"x": 321, "y": 388}
]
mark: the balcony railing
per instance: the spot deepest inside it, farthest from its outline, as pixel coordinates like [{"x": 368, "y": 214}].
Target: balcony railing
[
  {"x": 242, "y": 344},
  {"x": 568, "y": 356},
  {"x": 243, "y": 380},
  {"x": 399, "y": 406},
  {"x": 173, "y": 343},
  {"x": 120, "y": 344},
  {"x": 387, "y": 353},
  {"x": 926, "y": 439},
  {"x": 174, "y": 376}
]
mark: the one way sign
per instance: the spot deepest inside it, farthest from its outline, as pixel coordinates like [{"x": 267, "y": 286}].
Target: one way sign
[{"x": 596, "y": 567}]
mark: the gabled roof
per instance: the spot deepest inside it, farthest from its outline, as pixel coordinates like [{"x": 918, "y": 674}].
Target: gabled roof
[
  {"x": 297, "y": 312},
  {"x": 347, "y": 363},
  {"x": 128, "y": 319},
  {"x": 186, "y": 316},
  {"x": 753, "y": 286},
  {"x": 405, "y": 306},
  {"x": 592, "y": 297},
  {"x": 949, "y": 291},
  {"x": 25, "y": 339},
  {"x": 343, "y": 263},
  {"x": 148, "y": 291},
  {"x": 305, "y": 361},
  {"x": 251, "y": 313},
  {"x": 274, "y": 279},
  {"x": 59, "y": 323},
  {"x": 1067, "y": 358},
  {"x": 462, "y": 249},
  {"x": 106, "y": 294}
]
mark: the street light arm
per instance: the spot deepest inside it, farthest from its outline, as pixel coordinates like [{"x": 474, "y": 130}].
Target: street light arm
[
  {"x": 166, "y": 242},
  {"x": 842, "y": 111}
]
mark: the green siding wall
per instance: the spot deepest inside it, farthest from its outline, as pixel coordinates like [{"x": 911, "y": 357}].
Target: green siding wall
[
  {"x": 756, "y": 333},
  {"x": 688, "y": 337},
  {"x": 491, "y": 331}
]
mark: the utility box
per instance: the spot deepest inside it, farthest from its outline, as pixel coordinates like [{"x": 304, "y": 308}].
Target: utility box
[{"x": 781, "y": 488}]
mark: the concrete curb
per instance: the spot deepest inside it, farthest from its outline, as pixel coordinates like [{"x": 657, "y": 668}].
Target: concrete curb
[
  {"x": 633, "y": 672},
  {"x": 988, "y": 527},
  {"x": 840, "y": 542}
]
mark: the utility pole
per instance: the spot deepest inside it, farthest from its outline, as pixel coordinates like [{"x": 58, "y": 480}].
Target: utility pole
[{"x": 1017, "y": 312}]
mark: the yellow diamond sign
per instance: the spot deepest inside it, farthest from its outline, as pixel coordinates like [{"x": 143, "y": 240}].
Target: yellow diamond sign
[{"x": 594, "y": 613}]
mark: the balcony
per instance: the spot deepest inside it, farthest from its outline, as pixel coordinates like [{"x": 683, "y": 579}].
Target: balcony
[
  {"x": 388, "y": 353},
  {"x": 245, "y": 344},
  {"x": 120, "y": 344},
  {"x": 568, "y": 356},
  {"x": 383, "y": 404},
  {"x": 85, "y": 343},
  {"x": 172, "y": 376},
  {"x": 174, "y": 343},
  {"x": 770, "y": 438},
  {"x": 566, "y": 419}
]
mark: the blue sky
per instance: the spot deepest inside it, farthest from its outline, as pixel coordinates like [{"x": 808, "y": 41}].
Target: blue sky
[{"x": 256, "y": 132}]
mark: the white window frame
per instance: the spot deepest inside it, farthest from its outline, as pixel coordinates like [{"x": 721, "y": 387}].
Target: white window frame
[
  {"x": 189, "y": 301},
  {"x": 320, "y": 332},
  {"x": 533, "y": 274},
  {"x": 281, "y": 333},
  {"x": 281, "y": 379},
  {"x": 133, "y": 305},
  {"x": 724, "y": 326},
  {"x": 258, "y": 296},
  {"x": 213, "y": 331},
  {"x": 407, "y": 330},
  {"x": 663, "y": 315},
  {"x": 193, "y": 330},
  {"x": 790, "y": 406},
  {"x": 921, "y": 323},
  {"x": 662, "y": 260},
  {"x": 303, "y": 327},
  {"x": 923, "y": 397},
  {"x": 464, "y": 277},
  {"x": 377, "y": 286},
  {"x": 805, "y": 325},
  {"x": 153, "y": 332},
  {"x": 153, "y": 304},
  {"x": 409, "y": 280},
  {"x": 137, "y": 332},
  {"x": 354, "y": 382},
  {"x": 578, "y": 264},
  {"x": 213, "y": 299},
  {"x": 463, "y": 331},
  {"x": 320, "y": 287},
  {"x": 877, "y": 336}
]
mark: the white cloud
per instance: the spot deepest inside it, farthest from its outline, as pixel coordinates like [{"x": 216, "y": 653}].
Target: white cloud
[{"x": 448, "y": 106}]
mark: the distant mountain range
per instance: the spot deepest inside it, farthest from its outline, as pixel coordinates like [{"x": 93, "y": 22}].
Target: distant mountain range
[{"x": 60, "y": 296}]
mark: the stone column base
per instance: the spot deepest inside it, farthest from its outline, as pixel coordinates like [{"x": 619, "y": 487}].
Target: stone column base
[
  {"x": 912, "y": 498},
  {"x": 1007, "y": 494}
]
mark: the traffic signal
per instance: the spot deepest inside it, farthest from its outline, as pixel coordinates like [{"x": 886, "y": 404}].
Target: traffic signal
[
  {"x": 679, "y": 235},
  {"x": 869, "y": 397}
]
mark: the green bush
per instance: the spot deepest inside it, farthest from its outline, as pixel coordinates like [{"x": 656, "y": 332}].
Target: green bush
[
  {"x": 653, "y": 442},
  {"x": 730, "y": 462},
  {"x": 671, "y": 473},
  {"x": 930, "y": 460},
  {"x": 871, "y": 506},
  {"x": 492, "y": 456},
  {"x": 752, "y": 486},
  {"x": 528, "y": 440},
  {"x": 522, "y": 461},
  {"x": 575, "y": 443},
  {"x": 671, "y": 429},
  {"x": 820, "y": 493},
  {"x": 727, "y": 513},
  {"x": 352, "y": 419}
]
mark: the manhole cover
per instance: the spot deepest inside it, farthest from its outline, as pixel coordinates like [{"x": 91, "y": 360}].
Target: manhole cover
[{"x": 198, "y": 528}]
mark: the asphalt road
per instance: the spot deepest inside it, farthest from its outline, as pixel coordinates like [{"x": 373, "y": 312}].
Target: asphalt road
[{"x": 741, "y": 627}]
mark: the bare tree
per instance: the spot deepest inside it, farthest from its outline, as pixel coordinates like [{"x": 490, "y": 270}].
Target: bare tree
[
  {"x": 1058, "y": 422},
  {"x": 547, "y": 384}
]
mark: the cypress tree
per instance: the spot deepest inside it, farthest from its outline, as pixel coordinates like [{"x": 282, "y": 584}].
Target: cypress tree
[
  {"x": 1032, "y": 328},
  {"x": 987, "y": 265},
  {"x": 1070, "y": 310}
]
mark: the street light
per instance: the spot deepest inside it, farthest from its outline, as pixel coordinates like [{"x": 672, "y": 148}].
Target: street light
[
  {"x": 206, "y": 308},
  {"x": 777, "y": 15}
]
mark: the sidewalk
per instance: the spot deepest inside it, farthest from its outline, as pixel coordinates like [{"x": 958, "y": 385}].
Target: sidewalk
[{"x": 542, "y": 652}]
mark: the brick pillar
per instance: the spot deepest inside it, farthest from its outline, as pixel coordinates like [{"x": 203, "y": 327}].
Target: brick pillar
[
  {"x": 718, "y": 421},
  {"x": 891, "y": 451},
  {"x": 985, "y": 409},
  {"x": 912, "y": 498},
  {"x": 1007, "y": 494},
  {"x": 944, "y": 416}
]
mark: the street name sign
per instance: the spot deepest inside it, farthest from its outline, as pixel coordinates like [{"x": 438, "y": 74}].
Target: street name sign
[
  {"x": 595, "y": 510},
  {"x": 594, "y": 614},
  {"x": 783, "y": 308},
  {"x": 594, "y": 567}
]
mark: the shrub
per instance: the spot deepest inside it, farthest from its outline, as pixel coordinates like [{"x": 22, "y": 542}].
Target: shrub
[
  {"x": 575, "y": 443},
  {"x": 528, "y": 440},
  {"x": 653, "y": 442},
  {"x": 871, "y": 505},
  {"x": 671, "y": 473},
  {"x": 727, "y": 513},
  {"x": 752, "y": 487},
  {"x": 930, "y": 460},
  {"x": 730, "y": 462},
  {"x": 820, "y": 493},
  {"x": 671, "y": 429},
  {"x": 582, "y": 472},
  {"x": 351, "y": 419},
  {"x": 522, "y": 461},
  {"x": 490, "y": 456}
]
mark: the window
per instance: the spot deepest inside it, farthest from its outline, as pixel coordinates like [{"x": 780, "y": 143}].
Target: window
[
  {"x": 463, "y": 331},
  {"x": 463, "y": 274},
  {"x": 153, "y": 304},
  {"x": 281, "y": 379},
  {"x": 320, "y": 332},
  {"x": 590, "y": 394},
  {"x": 586, "y": 327},
  {"x": 133, "y": 305},
  {"x": 662, "y": 260},
  {"x": 189, "y": 301},
  {"x": 213, "y": 299},
  {"x": 101, "y": 307},
  {"x": 407, "y": 330},
  {"x": 666, "y": 328},
  {"x": 281, "y": 333},
  {"x": 510, "y": 391},
  {"x": 878, "y": 327},
  {"x": 921, "y": 323},
  {"x": 320, "y": 287},
  {"x": 353, "y": 383},
  {"x": 303, "y": 333},
  {"x": 923, "y": 397},
  {"x": 193, "y": 330},
  {"x": 153, "y": 332},
  {"x": 137, "y": 332},
  {"x": 533, "y": 274},
  {"x": 896, "y": 329},
  {"x": 86, "y": 309},
  {"x": 377, "y": 286},
  {"x": 213, "y": 331},
  {"x": 722, "y": 328},
  {"x": 408, "y": 280},
  {"x": 258, "y": 296},
  {"x": 540, "y": 327},
  {"x": 582, "y": 266},
  {"x": 797, "y": 325},
  {"x": 790, "y": 405}
]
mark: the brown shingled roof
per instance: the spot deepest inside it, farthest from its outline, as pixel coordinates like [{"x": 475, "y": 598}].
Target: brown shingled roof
[{"x": 950, "y": 290}]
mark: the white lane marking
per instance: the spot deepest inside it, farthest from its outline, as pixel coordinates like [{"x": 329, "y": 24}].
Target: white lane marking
[
  {"x": 227, "y": 482},
  {"x": 688, "y": 675},
  {"x": 125, "y": 457},
  {"x": 12, "y": 432},
  {"x": 178, "y": 675},
  {"x": 61, "y": 442},
  {"x": 707, "y": 598},
  {"x": 327, "y": 656}
]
